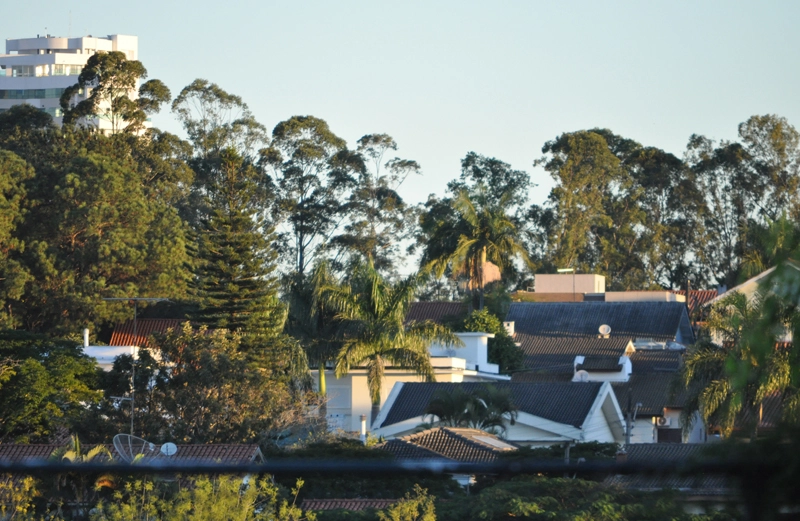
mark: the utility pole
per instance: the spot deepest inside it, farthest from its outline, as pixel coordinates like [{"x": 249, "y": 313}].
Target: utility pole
[{"x": 135, "y": 347}]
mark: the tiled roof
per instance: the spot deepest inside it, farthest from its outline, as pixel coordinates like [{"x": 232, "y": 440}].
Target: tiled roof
[
  {"x": 697, "y": 483},
  {"x": 18, "y": 453},
  {"x": 653, "y": 391},
  {"x": 697, "y": 297},
  {"x": 660, "y": 321},
  {"x": 557, "y": 354},
  {"x": 600, "y": 363},
  {"x": 540, "y": 377},
  {"x": 448, "y": 443},
  {"x": 345, "y": 504},
  {"x": 145, "y": 328},
  {"x": 561, "y": 402},
  {"x": 222, "y": 453},
  {"x": 656, "y": 360},
  {"x": 438, "y": 312}
]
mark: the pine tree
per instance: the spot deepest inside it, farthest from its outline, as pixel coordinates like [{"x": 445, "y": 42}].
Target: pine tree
[{"x": 235, "y": 282}]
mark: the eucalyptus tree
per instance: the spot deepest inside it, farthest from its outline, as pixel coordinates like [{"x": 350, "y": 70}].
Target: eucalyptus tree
[
  {"x": 373, "y": 332},
  {"x": 313, "y": 169},
  {"x": 378, "y": 219}
]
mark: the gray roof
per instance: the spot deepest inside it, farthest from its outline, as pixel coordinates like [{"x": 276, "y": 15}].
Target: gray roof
[
  {"x": 659, "y": 321},
  {"x": 695, "y": 482},
  {"x": 561, "y": 402},
  {"x": 654, "y": 391},
  {"x": 600, "y": 363},
  {"x": 557, "y": 354}
]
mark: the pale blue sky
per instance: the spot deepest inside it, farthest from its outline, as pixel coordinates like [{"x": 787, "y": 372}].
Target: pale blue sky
[{"x": 444, "y": 78}]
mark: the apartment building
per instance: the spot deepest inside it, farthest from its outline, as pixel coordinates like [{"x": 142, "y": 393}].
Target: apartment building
[{"x": 37, "y": 70}]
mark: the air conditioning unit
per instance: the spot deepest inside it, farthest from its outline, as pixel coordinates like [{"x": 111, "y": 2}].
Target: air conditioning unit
[{"x": 661, "y": 421}]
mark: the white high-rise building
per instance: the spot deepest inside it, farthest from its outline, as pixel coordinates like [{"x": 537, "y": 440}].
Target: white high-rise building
[{"x": 37, "y": 70}]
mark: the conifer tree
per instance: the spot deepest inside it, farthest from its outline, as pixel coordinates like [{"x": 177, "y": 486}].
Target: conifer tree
[{"x": 235, "y": 284}]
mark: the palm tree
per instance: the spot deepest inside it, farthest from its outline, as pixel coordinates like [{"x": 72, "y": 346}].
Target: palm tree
[
  {"x": 488, "y": 408},
  {"x": 372, "y": 329},
  {"x": 312, "y": 322},
  {"x": 78, "y": 487},
  {"x": 728, "y": 376},
  {"x": 485, "y": 234}
]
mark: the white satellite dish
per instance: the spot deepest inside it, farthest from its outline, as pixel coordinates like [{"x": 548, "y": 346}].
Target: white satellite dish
[
  {"x": 169, "y": 449},
  {"x": 605, "y": 330},
  {"x": 581, "y": 376},
  {"x": 131, "y": 447}
]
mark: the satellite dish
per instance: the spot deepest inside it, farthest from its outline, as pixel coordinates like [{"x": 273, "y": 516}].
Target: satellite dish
[
  {"x": 131, "y": 447},
  {"x": 605, "y": 329},
  {"x": 169, "y": 449},
  {"x": 581, "y": 376}
]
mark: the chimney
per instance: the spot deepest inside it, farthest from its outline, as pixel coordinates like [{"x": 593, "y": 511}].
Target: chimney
[
  {"x": 364, "y": 429},
  {"x": 509, "y": 327},
  {"x": 86, "y": 337},
  {"x": 622, "y": 457}
]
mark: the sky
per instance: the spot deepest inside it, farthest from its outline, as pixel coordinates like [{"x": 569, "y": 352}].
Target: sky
[{"x": 448, "y": 77}]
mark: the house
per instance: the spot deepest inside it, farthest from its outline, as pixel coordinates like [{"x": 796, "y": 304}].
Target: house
[
  {"x": 36, "y": 71},
  {"x": 548, "y": 413},
  {"x": 126, "y": 339},
  {"x": 349, "y": 398},
  {"x": 639, "y": 350},
  {"x": 647, "y": 324}
]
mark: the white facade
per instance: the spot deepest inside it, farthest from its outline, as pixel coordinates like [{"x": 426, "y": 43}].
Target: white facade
[
  {"x": 348, "y": 397},
  {"x": 37, "y": 70}
]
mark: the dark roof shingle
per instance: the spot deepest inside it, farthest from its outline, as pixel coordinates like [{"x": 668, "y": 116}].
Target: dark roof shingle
[
  {"x": 438, "y": 312},
  {"x": 561, "y": 402},
  {"x": 355, "y": 505},
  {"x": 659, "y": 321},
  {"x": 557, "y": 354}
]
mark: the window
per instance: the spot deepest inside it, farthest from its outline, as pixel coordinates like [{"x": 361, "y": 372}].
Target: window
[{"x": 22, "y": 70}]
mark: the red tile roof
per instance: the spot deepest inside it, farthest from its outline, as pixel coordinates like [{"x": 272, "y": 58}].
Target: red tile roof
[
  {"x": 346, "y": 504},
  {"x": 697, "y": 297},
  {"x": 435, "y": 311},
  {"x": 145, "y": 328},
  {"x": 232, "y": 454}
]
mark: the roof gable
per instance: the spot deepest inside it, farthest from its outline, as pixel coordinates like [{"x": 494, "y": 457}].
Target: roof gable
[
  {"x": 561, "y": 402},
  {"x": 660, "y": 321}
]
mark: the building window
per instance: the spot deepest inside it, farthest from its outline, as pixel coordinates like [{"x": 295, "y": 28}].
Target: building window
[{"x": 22, "y": 71}]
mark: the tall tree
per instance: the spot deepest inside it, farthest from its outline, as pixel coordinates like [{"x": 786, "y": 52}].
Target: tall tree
[
  {"x": 110, "y": 81},
  {"x": 373, "y": 331},
  {"x": 485, "y": 234},
  {"x": 377, "y": 217},
  {"x": 236, "y": 283},
  {"x": 313, "y": 168},
  {"x": 485, "y": 204}
]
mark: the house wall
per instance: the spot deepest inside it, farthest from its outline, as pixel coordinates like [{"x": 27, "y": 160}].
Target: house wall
[
  {"x": 643, "y": 431},
  {"x": 348, "y": 397},
  {"x": 569, "y": 283}
]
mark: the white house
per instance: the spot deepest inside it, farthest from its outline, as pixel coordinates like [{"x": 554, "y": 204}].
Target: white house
[
  {"x": 548, "y": 413},
  {"x": 348, "y": 397},
  {"x": 37, "y": 70}
]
